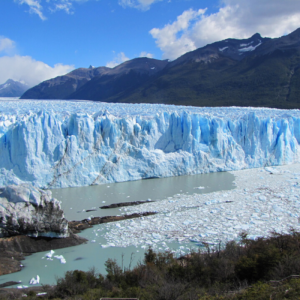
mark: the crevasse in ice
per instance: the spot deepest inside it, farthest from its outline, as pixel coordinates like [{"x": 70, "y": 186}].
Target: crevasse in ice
[{"x": 76, "y": 143}]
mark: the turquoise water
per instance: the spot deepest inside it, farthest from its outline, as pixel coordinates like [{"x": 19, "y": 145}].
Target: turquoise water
[
  {"x": 76, "y": 200},
  {"x": 92, "y": 254}
]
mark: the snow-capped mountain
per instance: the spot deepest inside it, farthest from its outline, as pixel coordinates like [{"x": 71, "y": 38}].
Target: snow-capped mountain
[{"x": 12, "y": 88}]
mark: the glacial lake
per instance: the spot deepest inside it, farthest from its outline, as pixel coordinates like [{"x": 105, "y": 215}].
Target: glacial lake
[{"x": 75, "y": 202}]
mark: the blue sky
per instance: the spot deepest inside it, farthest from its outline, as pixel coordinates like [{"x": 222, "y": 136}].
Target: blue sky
[{"x": 41, "y": 39}]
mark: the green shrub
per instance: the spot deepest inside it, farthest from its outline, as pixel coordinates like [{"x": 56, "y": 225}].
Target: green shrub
[{"x": 221, "y": 274}]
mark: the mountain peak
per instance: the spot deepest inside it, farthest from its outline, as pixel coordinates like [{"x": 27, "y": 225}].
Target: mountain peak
[
  {"x": 12, "y": 88},
  {"x": 256, "y": 36},
  {"x": 295, "y": 32}
]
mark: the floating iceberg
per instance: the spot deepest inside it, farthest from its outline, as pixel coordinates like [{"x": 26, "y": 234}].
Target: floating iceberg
[
  {"x": 60, "y": 258},
  {"x": 56, "y": 144},
  {"x": 34, "y": 281},
  {"x": 50, "y": 254}
]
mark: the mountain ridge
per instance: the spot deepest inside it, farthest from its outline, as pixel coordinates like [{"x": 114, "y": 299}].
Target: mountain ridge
[{"x": 256, "y": 71}]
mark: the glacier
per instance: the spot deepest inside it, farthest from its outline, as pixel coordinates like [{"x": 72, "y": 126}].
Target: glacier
[
  {"x": 27, "y": 210},
  {"x": 56, "y": 143}
]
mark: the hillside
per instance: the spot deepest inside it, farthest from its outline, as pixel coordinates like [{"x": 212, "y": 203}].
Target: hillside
[
  {"x": 251, "y": 72},
  {"x": 99, "y": 83},
  {"x": 267, "y": 76}
]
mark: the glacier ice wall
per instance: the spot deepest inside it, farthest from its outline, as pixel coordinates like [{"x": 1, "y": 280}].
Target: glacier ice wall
[
  {"x": 26, "y": 210},
  {"x": 61, "y": 144}
]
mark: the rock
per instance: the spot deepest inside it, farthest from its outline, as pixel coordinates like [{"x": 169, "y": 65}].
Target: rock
[
  {"x": 13, "y": 249},
  {"x": 30, "y": 221},
  {"x": 27, "y": 210},
  {"x": 78, "y": 226},
  {"x": 120, "y": 204},
  {"x": 10, "y": 261},
  {"x": 9, "y": 283}
]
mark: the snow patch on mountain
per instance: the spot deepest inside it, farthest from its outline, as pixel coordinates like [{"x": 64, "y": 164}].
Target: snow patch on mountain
[
  {"x": 222, "y": 49},
  {"x": 245, "y": 45},
  {"x": 249, "y": 48},
  {"x": 4, "y": 86}
]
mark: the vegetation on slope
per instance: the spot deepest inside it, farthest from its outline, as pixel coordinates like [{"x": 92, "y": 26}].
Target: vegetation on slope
[
  {"x": 240, "y": 271},
  {"x": 259, "y": 80}
]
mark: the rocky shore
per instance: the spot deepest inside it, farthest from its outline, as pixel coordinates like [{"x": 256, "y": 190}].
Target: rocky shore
[
  {"x": 78, "y": 226},
  {"x": 32, "y": 221},
  {"x": 16, "y": 248},
  {"x": 27, "y": 210},
  {"x": 121, "y": 204}
]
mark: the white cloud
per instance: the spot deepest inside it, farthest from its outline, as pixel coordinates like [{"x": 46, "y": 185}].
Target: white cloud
[
  {"x": 66, "y": 6},
  {"x": 146, "y": 54},
  {"x": 32, "y": 72},
  {"x": 167, "y": 38},
  {"x": 235, "y": 19},
  {"x": 35, "y": 7},
  {"x": 140, "y": 4},
  {"x": 120, "y": 58},
  {"x": 6, "y": 45}
]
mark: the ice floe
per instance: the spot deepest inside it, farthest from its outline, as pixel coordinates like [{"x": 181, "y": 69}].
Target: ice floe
[
  {"x": 256, "y": 206},
  {"x": 35, "y": 281},
  {"x": 60, "y": 258}
]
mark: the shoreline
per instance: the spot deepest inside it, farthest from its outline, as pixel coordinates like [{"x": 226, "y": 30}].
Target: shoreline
[
  {"x": 274, "y": 191},
  {"x": 15, "y": 249}
]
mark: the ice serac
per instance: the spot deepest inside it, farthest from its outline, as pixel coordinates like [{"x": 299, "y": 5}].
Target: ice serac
[
  {"x": 27, "y": 210},
  {"x": 66, "y": 144}
]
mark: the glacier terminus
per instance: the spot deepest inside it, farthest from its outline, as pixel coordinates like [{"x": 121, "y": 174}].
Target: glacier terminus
[{"x": 56, "y": 143}]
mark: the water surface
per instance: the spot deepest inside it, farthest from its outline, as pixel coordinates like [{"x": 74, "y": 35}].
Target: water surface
[{"x": 76, "y": 200}]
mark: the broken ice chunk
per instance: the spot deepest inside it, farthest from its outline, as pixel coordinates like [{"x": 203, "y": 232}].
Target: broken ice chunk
[
  {"x": 34, "y": 281},
  {"x": 262, "y": 198},
  {"x": 49, "y": 254},
  {"x": 61, "y": 258},
  {"x": 156, "y": 236}
]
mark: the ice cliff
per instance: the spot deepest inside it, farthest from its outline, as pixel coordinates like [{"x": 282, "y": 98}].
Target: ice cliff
[
  {"x": 75, "y": 143},
  {"x": 27, "y": 210}
]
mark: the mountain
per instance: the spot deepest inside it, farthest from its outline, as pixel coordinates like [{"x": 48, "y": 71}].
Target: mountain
[
  {"x": 97, "y": 83},
  {"x": 267, "y": 75},
  {"x": 12, "y": 88},
  {"x": 62, "y": 86},
  {"x": 257, "y": 72},
  {"x": 250, "y": 72}
]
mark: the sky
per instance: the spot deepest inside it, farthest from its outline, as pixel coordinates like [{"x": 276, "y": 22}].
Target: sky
[{"x": 42, "y": 39}]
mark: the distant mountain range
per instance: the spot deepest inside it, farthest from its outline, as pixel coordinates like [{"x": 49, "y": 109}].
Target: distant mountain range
[
  {"x": 12, "y": 88},
  {"x": 250, "y": 72}
]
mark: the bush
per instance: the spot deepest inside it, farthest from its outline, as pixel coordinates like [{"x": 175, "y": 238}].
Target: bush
[
  {"x": 76, "y": 283},
  {"x": 222, "y": 274}
]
